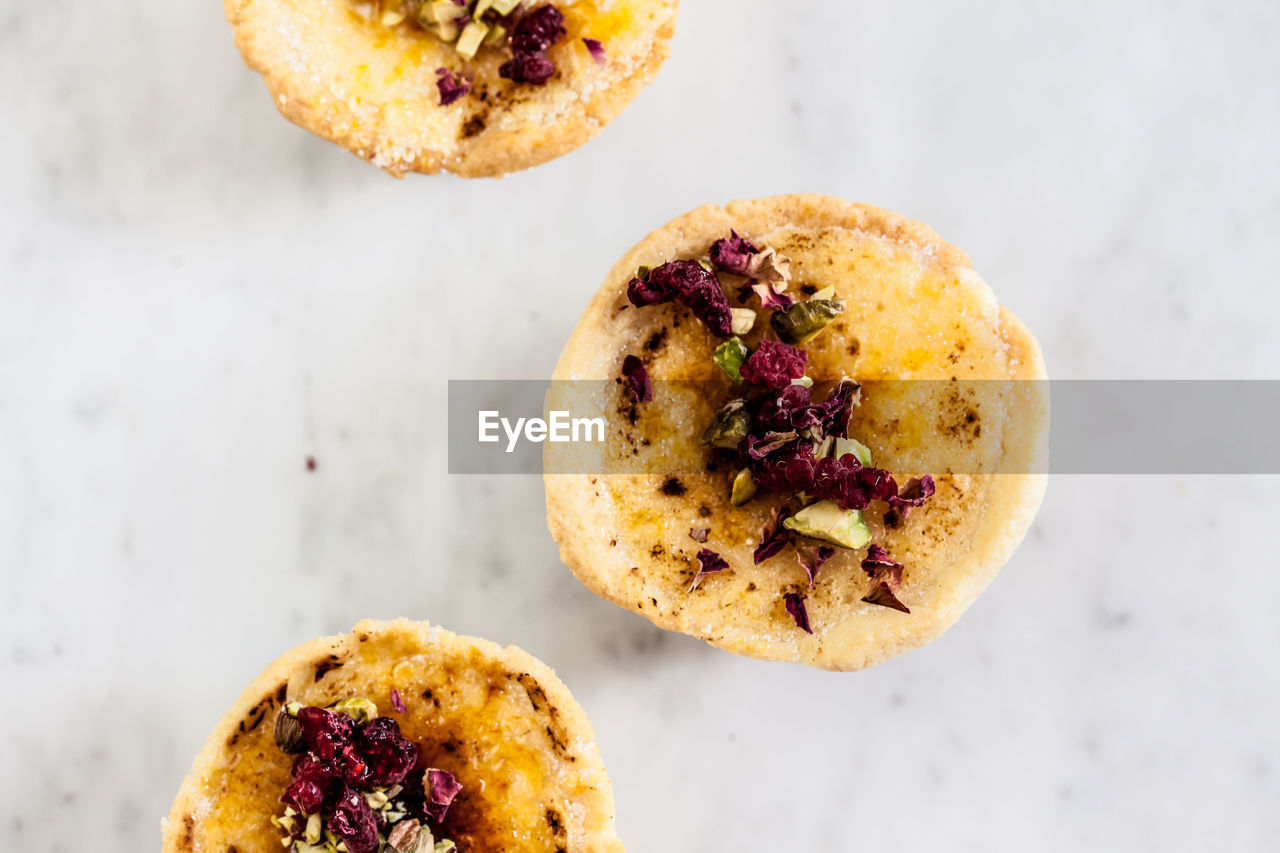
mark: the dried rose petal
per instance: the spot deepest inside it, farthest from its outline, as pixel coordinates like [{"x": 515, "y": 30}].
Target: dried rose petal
[
  {"x": 774, "y": 537},
  {"x": 773, "y": 365},
  {"x": 699, "y": 534},
  {"x": 760, "y": 446},
  {"x": 637, "y": 376},
  {"x": 884, "y": 596},
  {"x": 709, "y": 562},
  {"x": 912, "y": 494},
  {"x": 596, "y": 49},
  {"x": 440, "y": 787},
  {"x": 451, "y": 86},
  {"x": 398, "y": 703},
  {"x": 733, "y": 253},
  {"x": 794, "y": 603},
  {"x": 886, "y": 579},
  {"x": 772, "y": 297},
  {"x": 811, "y": 560}
]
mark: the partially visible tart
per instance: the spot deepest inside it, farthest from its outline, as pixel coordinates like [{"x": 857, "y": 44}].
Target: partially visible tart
[
  {"x": 474, "y": 87},
  {"x": 398, "y": 738}
]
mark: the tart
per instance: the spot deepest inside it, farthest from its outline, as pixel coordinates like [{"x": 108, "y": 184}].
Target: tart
[
  {"x": 398, "y": 738},
  {"x": 474, "y": 87},
  {"x": 825, "y": 437}
]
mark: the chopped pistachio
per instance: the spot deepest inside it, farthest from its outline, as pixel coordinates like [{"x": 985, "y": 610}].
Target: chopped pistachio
[
  {"x": 744, "y": 488},
  {"x": 358, "y": 708},
  {"x": 312, "y": 834},
  {"x": 729, "y": 426},
  {"x": 404, "y": 835},
  {"x": 495, "y": 35},
  {"x": 741, "y": 320},
  {"x": 505, "y": 7},
  {"x": 393, "y": 815},
  {"x": 643, "y": 270},
  {"x": 394, "y": 791},
  {"x": 293, "y": 708},
  {"x": 730, "y": 356},
  {"x": 446, "y": 846},
  {"x": 304, "y": 847},
  {"x": 823, "y": 448},
  {"x": 391, "y": 18},
  {"x": 803, "y": 381},
  {"x": 827, "y": 522},
  {"x": 482, "y": 6},
  {"x": 804, "y": 320},
  {"x": 288, "y": 733},
  {"x": 289, "y": 812},
  {"x": 827, "y": 292},
  {"x": 859, "y": 450},
  {"x": 375, "y": 799},
  {"x": 472, "y": 37}
]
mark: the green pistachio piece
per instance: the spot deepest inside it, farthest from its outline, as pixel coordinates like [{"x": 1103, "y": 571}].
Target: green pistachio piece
[
  {"x": 804, "y": 320},
  {"x": 288, "y": 732},
  {"x": 823, "y": 448},
  {"x": 827, "y": 522},
  {"x": 495, "y": 35},
  {"x": 847, "y": 445},
  {"x": 805, "y": 381},
  {"x": 827, "y": 292},
  {"x": 730, "y": 356},
  {"x": 312, "y": 834},
  {"x": 730, "y": 425},
  {"x": 446, "y": 846},
  {"x": 304, "y": 847},
  {"x": 482, "y": 6},
  {"x": 505, "y": 7},
  {"x": 744, "y": 488},
  {"x": 358, "y": 708},
  {"x": 375, "y": 799},
  {"x": 472, "y": 37}
]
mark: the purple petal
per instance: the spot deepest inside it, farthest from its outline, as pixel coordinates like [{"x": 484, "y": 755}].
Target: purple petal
[
  {"x": 440, "y": 787},
  {"x": 811, "y": 560},
  {"x": 397, "y": 703},
  {"x": 774, "y": 537},
  {"x": 709, "y": 562},
  {"x": 596, "y": 49},
  {"x": 451, "y": 86},
  {"x": 637, "y": 376},
  {"x": 795, "y": 606}
]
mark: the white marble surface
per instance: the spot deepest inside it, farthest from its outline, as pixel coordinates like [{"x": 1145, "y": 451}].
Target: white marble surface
[{"x": 195, "y": 295}]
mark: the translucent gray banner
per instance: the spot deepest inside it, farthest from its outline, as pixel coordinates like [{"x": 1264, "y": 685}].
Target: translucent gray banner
[{"x": 914, "y": 426}]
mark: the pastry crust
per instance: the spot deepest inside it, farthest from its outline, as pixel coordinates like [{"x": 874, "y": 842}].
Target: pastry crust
[
  {"x": 915, "y": 310},
  {"x": 498, "y": 719},
  {"x": 372, "y": 89}
]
